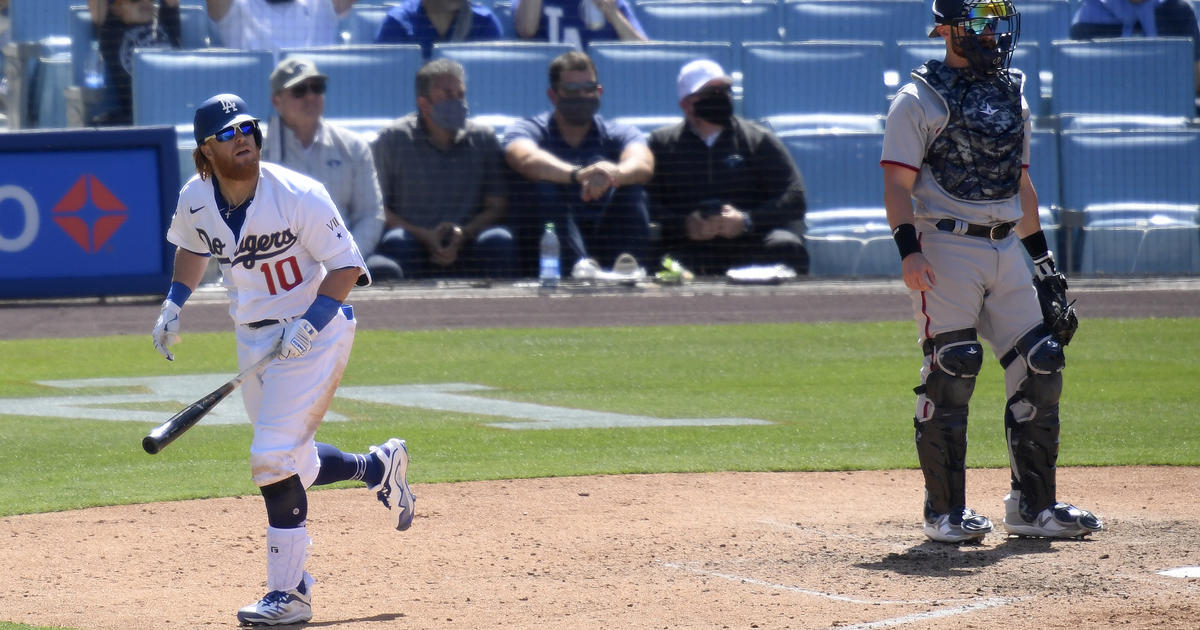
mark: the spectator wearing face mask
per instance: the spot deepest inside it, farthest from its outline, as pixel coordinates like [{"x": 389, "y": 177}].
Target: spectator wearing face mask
[
  {"x": 581, "y": 172},
  {"x": 121, "y": 26},
  {"x": 444, "y": 188},
  {"x": 725, "y": 190}
]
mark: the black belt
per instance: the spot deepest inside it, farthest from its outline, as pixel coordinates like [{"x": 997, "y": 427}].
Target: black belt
[
  {"x": 995, "y": 231},
  {"x": 262, "y": 323}
]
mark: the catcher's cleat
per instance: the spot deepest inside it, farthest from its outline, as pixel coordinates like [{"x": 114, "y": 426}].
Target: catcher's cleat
[
  {"x": 958, "y": 527},
  {"x": 281, "y": 607},
  {"x": 393, "y": 487},
  {"x": 1060, "y": 520}
]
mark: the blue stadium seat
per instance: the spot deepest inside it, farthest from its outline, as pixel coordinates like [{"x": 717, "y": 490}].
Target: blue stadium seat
[
  {"x": 366, "y": 80},
  {"x": 846, "y": 225},
  {"x": 646, "y": 124},
  {"x": 842, "y": 78},
  {"x": 884, "y": 21},
  {"x": 1027, "y": 59},
  {"x": 710, "y": 21},
  {"x": 503, "y": 10},
  {"x": 169, "y": 84},
  {"x": 639, "y": 78},
  {"x": 1134, "y": 76},
  {"x": 193, "y": 23},
  {"x": 1043, "y": 171},
  {"x": 1137, "y": 196},
  {"x": 505, "y": 77},
  {"x": 34, "y": 20},
  {"x": 1043, "y": 21},
  {"x": 51, "y": 79}
]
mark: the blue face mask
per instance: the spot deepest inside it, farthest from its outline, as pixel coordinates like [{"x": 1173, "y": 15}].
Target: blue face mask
[{"x": 450, "y": 114}]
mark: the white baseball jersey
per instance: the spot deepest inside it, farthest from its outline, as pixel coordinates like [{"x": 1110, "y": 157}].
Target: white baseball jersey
[
  {"x": 261, "y": 25},
  {"x": 293, "y": 234}
]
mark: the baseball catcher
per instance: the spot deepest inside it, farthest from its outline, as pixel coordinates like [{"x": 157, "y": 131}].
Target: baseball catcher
[{"x": 962, "y": 208}]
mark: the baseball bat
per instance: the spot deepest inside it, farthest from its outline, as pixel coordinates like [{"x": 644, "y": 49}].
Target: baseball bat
[{"x": 165, "y": 433}]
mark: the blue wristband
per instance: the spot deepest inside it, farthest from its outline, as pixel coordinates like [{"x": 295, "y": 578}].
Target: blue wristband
[
  {"x": 322, "y": 310},
  {"x": 178, "y": 293}
]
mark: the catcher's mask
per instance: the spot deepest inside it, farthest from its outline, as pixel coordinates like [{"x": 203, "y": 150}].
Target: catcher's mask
[{"x": 985, "y": 32}]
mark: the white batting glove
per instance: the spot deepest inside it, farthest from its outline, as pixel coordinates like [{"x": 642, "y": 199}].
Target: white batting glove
[
  {"x": 297, "y": 338},
  {"x": 166, "y": 329}
]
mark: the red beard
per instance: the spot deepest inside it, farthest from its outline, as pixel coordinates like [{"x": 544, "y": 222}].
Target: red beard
[{"x": 237, "y": 167}]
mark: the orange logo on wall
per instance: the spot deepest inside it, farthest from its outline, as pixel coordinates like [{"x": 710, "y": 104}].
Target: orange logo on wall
[{"x": 112, "y": 213}]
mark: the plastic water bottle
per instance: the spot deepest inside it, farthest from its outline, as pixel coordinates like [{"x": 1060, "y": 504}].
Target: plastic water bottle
[
  {"x": 93, "y": 68},
  {"x": 548, "y": 271}
]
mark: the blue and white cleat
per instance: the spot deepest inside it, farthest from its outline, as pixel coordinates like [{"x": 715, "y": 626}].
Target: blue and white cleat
[
  {"x": 958, "y": 527},
  {"x": 281, "y": 607},
  {"x": 393, "y": 454},
  {"x": 1060, "y": 520}
]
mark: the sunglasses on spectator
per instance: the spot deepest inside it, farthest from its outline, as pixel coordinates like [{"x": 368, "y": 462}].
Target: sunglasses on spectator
[
  {"x": 302, "y": 90},
  {"x": 247, "y": 127},
  {"x": 584, "y": 87}
]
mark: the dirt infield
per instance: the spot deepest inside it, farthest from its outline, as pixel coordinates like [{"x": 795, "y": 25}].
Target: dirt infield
[{"x": 728, "y": 550}]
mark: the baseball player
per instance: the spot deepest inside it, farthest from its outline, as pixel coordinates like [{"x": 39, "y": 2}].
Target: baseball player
[
  {"x": 957, "y": 190},
  {"x": 288, "y": 263}
]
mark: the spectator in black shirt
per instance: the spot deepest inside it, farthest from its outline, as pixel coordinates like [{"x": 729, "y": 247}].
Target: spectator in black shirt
[
  {"x": 725, "y": 191},
  {"x": 120, "y": 27}
]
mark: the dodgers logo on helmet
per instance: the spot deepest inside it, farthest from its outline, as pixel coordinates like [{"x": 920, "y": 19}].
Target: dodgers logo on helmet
[{"x": 217, "y": 113}]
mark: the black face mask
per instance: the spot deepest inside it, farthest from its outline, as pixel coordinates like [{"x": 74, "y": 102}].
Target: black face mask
[
  {"x": 578, "y": 110},
  {"x": 715, "y": 108}
]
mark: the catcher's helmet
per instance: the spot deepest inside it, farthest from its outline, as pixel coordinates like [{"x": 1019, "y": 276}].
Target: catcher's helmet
[
  {"x": 988, "y": 34},
  {"x": 219, "y": 112}
]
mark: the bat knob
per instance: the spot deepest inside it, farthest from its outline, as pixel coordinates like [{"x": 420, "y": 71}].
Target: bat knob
[{"x": 150, "y": 445}]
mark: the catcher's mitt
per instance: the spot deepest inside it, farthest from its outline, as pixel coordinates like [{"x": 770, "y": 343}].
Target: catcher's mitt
[{"x": 1057, "y": 313}]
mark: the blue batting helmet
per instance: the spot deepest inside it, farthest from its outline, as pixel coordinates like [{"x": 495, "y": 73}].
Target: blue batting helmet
[{"x": 218, "y": 113}]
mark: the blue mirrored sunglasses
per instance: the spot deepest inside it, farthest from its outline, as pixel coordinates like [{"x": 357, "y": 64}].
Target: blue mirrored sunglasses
[
  {"x": 247, "y": 127},
  {"x": 984, "y": 17}
]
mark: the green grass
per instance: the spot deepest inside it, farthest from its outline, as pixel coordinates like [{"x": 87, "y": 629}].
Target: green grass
[{"x": 839, "y": 396}]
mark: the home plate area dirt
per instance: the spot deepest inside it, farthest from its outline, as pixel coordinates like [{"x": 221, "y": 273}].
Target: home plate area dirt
[{"x": 726, "y": 550}]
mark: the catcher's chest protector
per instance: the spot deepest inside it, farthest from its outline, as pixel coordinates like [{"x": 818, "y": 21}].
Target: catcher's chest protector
[{"x": 977, "y": 157}]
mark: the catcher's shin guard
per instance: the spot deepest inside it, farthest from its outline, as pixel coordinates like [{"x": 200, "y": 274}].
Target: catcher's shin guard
[
  {"x": 942, "y": 451},
  {"x": 1033, "y": 456},
  {"x": 954, "y": 359},
  {"x": 1031, "y": 420}
]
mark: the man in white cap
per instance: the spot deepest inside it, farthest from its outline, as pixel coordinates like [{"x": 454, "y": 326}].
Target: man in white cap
[
  {"x": 302, "y": 140},
  {"x": 725, "y": 190}
]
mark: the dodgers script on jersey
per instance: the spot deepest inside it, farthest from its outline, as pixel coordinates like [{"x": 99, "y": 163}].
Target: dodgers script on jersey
[{"x": 292, "y": 234}]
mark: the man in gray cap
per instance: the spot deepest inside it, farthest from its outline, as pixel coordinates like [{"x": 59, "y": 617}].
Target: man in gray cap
[{"x": 302, "y": 140}]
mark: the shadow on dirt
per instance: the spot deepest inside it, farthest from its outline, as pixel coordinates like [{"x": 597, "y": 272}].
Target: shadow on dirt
[
  {"x": 933, "y": 559},
  {"x": 348, "y": 623}
]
